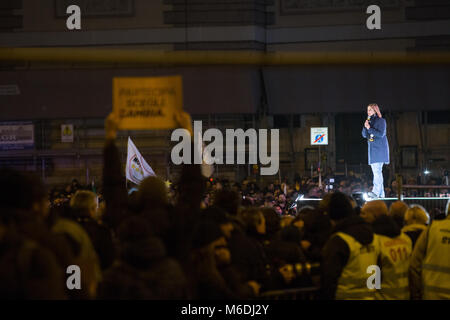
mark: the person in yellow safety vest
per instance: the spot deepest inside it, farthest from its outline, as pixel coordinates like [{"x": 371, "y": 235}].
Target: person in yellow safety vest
[
  {"x": 430, "y": 262},
  {"x": 395, "y": 252},
  {"x": 416, "y": 221},
  {"x": 348, "y": 253}
]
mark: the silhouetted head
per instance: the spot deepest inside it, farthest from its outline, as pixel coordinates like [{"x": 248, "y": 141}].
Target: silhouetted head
[
  {"x": 84, "y": 204},
  {"x": 228, "y": 200},
  {"x": 254, "y": 221},
  {"x": 22, "y": 191},
  {"x": 152, "y": 193},
  {"x": 416, "y": 214},
  {"x": 372, "y": 210},
  {"x": 273, "y": 221},
  {"x": 397, "y": 212},
  {"x": 337, "y": 205}
]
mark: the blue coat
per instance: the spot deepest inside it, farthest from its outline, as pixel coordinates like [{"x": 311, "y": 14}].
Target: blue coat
[{"x": 379, "y": 148}]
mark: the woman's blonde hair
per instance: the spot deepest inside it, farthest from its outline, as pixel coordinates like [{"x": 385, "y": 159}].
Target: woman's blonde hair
[
  {"x": 416, "y": 214},
  {"x": 375, "y": 108}
]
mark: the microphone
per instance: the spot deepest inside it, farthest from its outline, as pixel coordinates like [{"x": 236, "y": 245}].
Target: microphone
[{"x": 371, "y": 136}]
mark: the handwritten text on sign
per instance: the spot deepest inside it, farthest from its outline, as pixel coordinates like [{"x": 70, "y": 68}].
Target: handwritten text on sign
[{"x": 147, "y": 103}]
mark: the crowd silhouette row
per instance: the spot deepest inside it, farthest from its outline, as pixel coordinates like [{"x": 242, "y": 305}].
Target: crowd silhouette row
[{"x": 202, "y": 239}]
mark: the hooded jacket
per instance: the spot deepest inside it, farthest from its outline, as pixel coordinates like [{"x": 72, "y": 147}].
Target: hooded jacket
[
  {"x": 336, "y": 252},
  {"x": 378, "y": 149}
]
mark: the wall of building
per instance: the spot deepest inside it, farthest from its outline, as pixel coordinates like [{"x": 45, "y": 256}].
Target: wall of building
[
  {"x": 44, "y": 16},
  {"x": 299, "y": 13},
  {"x": 60, "y": 162},
  {"x": 284, "y": 25}
]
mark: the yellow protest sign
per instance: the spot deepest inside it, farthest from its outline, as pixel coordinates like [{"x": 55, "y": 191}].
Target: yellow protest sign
[{"x": 147, "y": 103}]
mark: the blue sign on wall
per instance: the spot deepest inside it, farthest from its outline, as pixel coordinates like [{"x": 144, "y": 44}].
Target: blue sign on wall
[{"x": 16, "y": 135}]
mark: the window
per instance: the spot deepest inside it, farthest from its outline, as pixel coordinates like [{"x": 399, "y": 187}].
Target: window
[{"x": 409, "y": 156}]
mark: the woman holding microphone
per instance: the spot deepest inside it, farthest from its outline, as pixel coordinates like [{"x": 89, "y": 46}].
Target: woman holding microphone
[{"x": 374, "y": 131}]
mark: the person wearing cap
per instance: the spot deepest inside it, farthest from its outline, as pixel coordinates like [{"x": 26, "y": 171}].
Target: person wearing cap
[{"x": 350, "y": 250}]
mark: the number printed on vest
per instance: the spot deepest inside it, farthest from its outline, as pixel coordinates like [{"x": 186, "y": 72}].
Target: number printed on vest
[
  {"x": 445, "y": 240},
  {"x": 400, "y": 253}
]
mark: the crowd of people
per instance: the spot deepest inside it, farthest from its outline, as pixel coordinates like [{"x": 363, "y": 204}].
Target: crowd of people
[
  {"x": 203, "y": 239},
  {"x": 280, "y": 196}
]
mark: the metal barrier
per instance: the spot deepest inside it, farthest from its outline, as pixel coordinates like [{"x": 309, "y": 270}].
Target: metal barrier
[
  {"x": 308, "y": 293},
  {"x": 429, "y": 202},
  {"x": 425, "y": 190},
  {"x": 430, "y": 197}
]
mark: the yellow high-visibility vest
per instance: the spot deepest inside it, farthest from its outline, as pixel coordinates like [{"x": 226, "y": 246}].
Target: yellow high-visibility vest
[
  {"x": 395, "y": 257},
  {"x": 352, "y": 284},
  {"x": 436, "y": 265}
]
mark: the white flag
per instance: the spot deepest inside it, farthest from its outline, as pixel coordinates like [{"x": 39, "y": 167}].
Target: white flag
[{"x": 137, "y": 168}]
